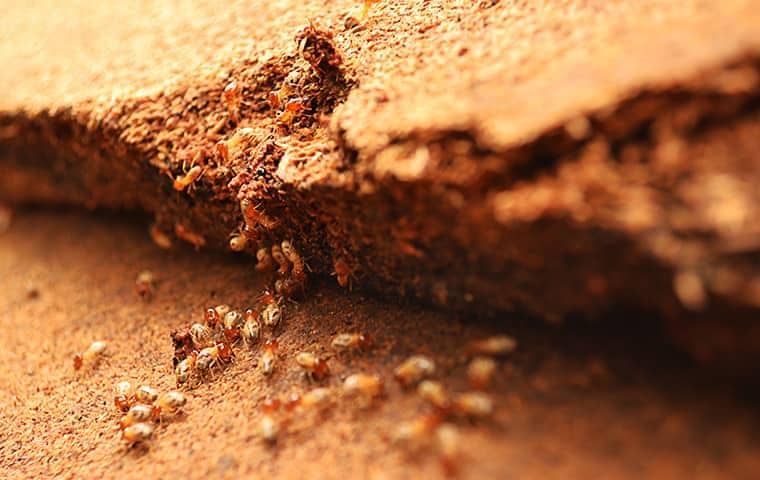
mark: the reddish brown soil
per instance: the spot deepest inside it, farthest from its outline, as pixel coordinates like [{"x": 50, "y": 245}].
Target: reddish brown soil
[
  {"x": 573, "y": 402},
  {"x": 565, "y": 159}
]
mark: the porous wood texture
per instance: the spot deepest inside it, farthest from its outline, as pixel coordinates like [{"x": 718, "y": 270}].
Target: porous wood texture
[{"x": 554, "y": 157}]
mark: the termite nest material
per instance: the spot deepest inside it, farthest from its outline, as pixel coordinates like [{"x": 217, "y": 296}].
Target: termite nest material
[
  {"x": 317, "y": 47},
  {"x": 314, "y": 84}
]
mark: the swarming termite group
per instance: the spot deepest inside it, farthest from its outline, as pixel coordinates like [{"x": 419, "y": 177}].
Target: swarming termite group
[
  {"x": 222, "y": 334},
  {"x": 142, "y": 408}
]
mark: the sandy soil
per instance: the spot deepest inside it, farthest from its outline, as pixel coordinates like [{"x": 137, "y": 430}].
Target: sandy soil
[{"x": 579, "y": 401}]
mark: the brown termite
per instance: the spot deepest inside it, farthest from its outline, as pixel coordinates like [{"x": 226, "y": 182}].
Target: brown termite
[
  {"x": 91, "y": 356},
  {"x": 212, "y": 318},
  {"x": 253, "y": 217},
  {"x": 343, "y": 273},
  {"x": 268, "y": 428},
  {"x": 239, "y": 140},
  {"x": 281, "y": 260},
  {"x": 473, "y": 404},
  {"x": 213, "y": 356},
  {"x": 449, "y": 443},
  {"x": 365, "y": 386},
  {"x": 137, "y": 433},
  {"x": 124, "y": 396},
  {"x": 273, "y": 98},
  {"x": 265, "y": 261},
  {"x": 145, "y": 285},
  {"x": 351, "y": 341},
  {"x": 169, "y": 403},
  {"x": 222, "y": 309},
  {"x": 159, "y": 237},
  {"x": 287, "y": 287},
  {"x": 417, "y": 431},
  {"x": 231, "y": 96},
  {"x": 238, "y": 242},
  {"x": 272, "y": 312},
  {"x": 184, "y": 369},
  {"x": 232, "y": 322},
  {"x": 480, "y": 371},
  {"x": 498, "y": 345},
  {"x": 189, "y": 236},
  {"x": 292, "y": 402},
  {"x": 268, "y": 357},
  {"x": 201, "y": 335},
  {"x": 292, "y": 109},
  {"x": 313, "y": 399},
  {"x": 183, "y": 344},
  {"x": 183, "y": 181},
  {"x": 251, "y": 331},
  {"x": 145, "y": 394},
  {"x": 270, "y": 404},
  {"x": 314, "y": 367},
  {"x": 298, "y": 271},
  {"x": 414, "y": 369},
  {"x": 136, "y": 414},
  {"x": 435, "y": 393}
]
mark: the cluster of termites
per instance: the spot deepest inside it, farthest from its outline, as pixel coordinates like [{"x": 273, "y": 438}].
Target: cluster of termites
[
  {"x": 357, "y": 387},
  {"x": 204, "y": 346},
  {"x": 208, "y": 345},
  {"x": 142, "y": 408},
  {"x": 437, "y": 425},
  {"x": 288, "y": 265}
]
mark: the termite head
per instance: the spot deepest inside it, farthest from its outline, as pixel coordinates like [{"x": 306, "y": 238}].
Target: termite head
[
  {"x": 231, "y": 335},
  {"x": 144, "y": 285},
  {"x": 225, "y": 351},
  {"x": 250, "y": 314},
  {"x": 343, "y": 273},
  {"x": 265, "y": 261},
  {"x": 184, "y": 181},
  {"x": 231, "y": 93},
  {"x": 274, "y": 100},
  {"x": 159, "y": 237},
  {"x": 267, "y": 298},
  {"x": 212, "y": 318},
  {"x": 78, "y": 362},
  {"x": 271, "y": 345},
  {"x": 316, "y": 368},
  {"x": 268, "y": 357},
  {"x": 223, "y": 151},
  {"x": 238, "y": 242},
  {"x": 293, "y": 401},
  {"x": 270, "y": 405},
  {"x": 251, "y": 216},
  {"x": 351, "y": 341}
]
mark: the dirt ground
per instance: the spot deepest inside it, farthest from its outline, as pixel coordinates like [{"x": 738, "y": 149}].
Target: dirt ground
[
  {"x": 578, "y": 401},
  {"x": 564, "y": 158}
]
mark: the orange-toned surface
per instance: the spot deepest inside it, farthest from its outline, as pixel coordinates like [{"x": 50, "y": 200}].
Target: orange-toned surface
[
  {"x": 572, "y": 402},
  {"x": 627, "y": 129}
]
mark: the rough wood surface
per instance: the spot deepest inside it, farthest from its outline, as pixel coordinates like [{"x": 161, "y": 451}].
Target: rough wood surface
[{"x": 554, "y": 157}]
